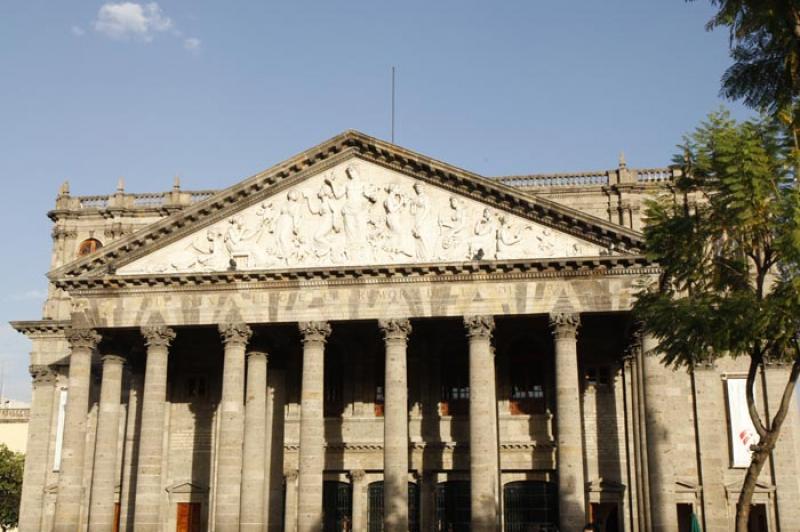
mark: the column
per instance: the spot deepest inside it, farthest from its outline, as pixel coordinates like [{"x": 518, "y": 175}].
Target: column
[
  {"x": 659, "y": 402},
  {"x": 358, "y": 478},
  {"x": 147, "y": 515},
  {"x": 569, "y": 423},
  {"x": 101, "y": 511},
  {"x": 312, "y": 426},
  {"x": 36, "y": 453},
  {"x": 482, "y": 435},
  {"x": 395, "y": 426},
  {"x": 68, "y": 504},
  {"x": 290, "y": 522},
  {"x": 256, "y": 467},
  {"x": 231, "y": 428},
  {"x": 276, "y": 403}
]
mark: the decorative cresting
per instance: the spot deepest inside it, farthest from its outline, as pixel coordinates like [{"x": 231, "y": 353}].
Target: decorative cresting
[
  {"x": 564, "y": 324},
  {"x": 42, "y": 374},
  {"x": 83, "y": 338},
  {"x": 158, "y": 336},
  {"x": 395, "y": 329},
  {"x": 479, "y": 326},
  {"x": 358, "y": 214},
  {"x": 314, "y": 331},
  {"x": 235, "y": 333}
]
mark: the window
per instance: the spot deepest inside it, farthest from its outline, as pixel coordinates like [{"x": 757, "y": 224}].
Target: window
[
  {"x": 527, "y": 382},
  {"x": 597, "y": 376},
  {"x": 90, "y": 245},
  {"x": 189, "y": 517},
  {"x": 375, "y": 516},
  {"x": 337, "y": 506},
  {"x": 455, "y": 384},
  {"x": 453, "y": 506},
  {"x": 379, "y": 400},
  {"x": 530, "y": 505},
  {"x": 334, "y": 383}
]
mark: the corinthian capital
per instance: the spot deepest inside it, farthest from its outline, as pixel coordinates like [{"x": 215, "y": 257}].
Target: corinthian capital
[
  {"x": 158, "y": 336},
  {"x": 42, "y": 374},
  {"x": 235, "y": 333},
  {"x": 314, "y": 331},
  {"x": 83, "y": 338},
  {"x": 479, "y": 326},
  {"x": 564, "y": 324},
  {"x": 395, "y": 329}
]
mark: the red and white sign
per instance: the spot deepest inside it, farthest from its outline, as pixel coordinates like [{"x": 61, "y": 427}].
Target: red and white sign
[{"x": 743, "y": 433}]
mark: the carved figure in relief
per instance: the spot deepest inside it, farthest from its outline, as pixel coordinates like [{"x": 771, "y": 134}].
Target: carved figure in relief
[
  {"x": 423, "y": 230},
  {"x": 356, "y": 204},
  {"x": 286, "y": 229},
  {"x": 507, "y": 237},
  {"x": 483, "y": 244},
  {"x": 396, "y": 241},
  {"x": 242, "y": 244},
  {"x": 209, "y": 254},
  {"x": 452, "y": 226},
  {"x": 324, "y": 208}
]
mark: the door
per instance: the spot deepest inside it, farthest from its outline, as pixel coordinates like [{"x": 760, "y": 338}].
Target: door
[
  {"x": 453, "y": 512},
  {"x": 530, "y": 505},
  {"x": 189, "y": 517},
  {"x": 337, "y": 505},
  {"x": 375, "y": 496}
]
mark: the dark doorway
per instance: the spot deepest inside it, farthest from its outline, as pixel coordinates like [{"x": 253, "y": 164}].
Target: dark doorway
[
  {"x": 453, "y": 512},
  {"x": 530, "y": 505},
  {"x": 337, "y": 504},
  {"x": 375, "y": 521},
  {"x": 758, "y": 518},
  {"x": 188, "y": 519},
  {"x": 685, "y": 512},
  {"x": 605, "y": 515}
]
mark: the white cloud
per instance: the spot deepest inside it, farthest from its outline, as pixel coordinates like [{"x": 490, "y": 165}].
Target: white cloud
[
  {"x": 192, "y": 43},
  {"x": 77, "y": 31},
  {"x": 129, "y": 20}
]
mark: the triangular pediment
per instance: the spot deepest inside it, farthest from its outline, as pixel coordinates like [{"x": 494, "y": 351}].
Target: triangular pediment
[{"x": 356, "y": 201}]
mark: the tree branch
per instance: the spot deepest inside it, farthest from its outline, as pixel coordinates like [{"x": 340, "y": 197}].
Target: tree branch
[
  {"x": 786, "y": 399},
  {"x": 751, "y": 403}
]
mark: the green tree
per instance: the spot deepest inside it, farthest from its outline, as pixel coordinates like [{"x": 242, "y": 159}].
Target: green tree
[
  {"x": 730, "y": 263},
  {"x": 11, "y": 465},
  {"x": 765, "y": 48}
]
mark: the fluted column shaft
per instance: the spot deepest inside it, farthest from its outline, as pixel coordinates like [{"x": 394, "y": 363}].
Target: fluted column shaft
[
  {"x": 312, "y": 426},
  {"x": 569, "y": 432},
  {"x": 68, "y": 503},
  {"x": 147, "y": 515},
  {"x": 101, "y": 510},
  {"x": 231, "y": 428},
  {"x": 395, "y": 426},
  {"x": 36, "y": 452},
  {"x": 482, "y": 422},
  {"x": 256, "y": 466}
]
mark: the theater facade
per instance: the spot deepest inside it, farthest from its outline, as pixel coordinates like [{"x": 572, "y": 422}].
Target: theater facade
[{"x": 364, "y": 338}]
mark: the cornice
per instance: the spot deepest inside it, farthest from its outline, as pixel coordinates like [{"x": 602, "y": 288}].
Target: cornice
[
  {"x": 351, "y": 143},
  {"x": 386, "y": 274},
  {"x": 42, "y": 328}
]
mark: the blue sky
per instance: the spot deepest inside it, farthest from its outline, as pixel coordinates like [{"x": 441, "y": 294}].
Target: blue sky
[{"x": 215, "y": 91}]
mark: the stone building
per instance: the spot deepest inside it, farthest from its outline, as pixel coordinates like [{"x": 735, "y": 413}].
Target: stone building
[{"x": 364, "y": 338}]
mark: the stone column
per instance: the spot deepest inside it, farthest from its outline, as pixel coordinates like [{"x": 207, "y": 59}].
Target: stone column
[
  {"x": 70, "y": 479},
  {"x": 569, "y": 423},
  {"x": 231, "y": 428},
  {"x": 101, "y": 510},
  {"x": 659, "y": 402},
  {"x": 312, "y": 426},
  {"x": 36, "y": 452},
  {"x": 482, "y": 413},
  {"x": 147, "y": 509},
  {"x": 290, "y": 520},
  {"x": 360, "y": 495},
  {"x": 256, "y": 467},
  {"x": 395, "y": 426},
  {"x": 276, "y": 403}
]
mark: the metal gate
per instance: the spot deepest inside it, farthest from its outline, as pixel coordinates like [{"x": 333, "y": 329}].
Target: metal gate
[
  {"x": 530, "y": 505},
  {"x": 453, "y": 511},
  {"x": 337, "y": 504},
  {"x": 375, "y": 520}
]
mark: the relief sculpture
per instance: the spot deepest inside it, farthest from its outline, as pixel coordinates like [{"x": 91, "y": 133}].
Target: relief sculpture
[{"x": 350, "y": 216}]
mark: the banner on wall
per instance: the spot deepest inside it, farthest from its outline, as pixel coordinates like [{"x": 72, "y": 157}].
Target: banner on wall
[{"x": 742, "y": 432}]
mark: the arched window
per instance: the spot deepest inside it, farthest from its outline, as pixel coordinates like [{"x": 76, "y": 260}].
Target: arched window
[
  {"x": 337, "y": 505},
  {"x": 375, "y": 491},
  {"x": 530, "y": 505},
  {"x": 453, "y": 510},
  {"x": 90, "y": 245}
]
